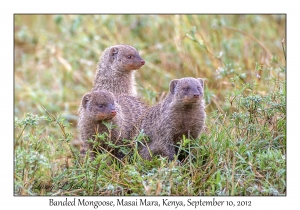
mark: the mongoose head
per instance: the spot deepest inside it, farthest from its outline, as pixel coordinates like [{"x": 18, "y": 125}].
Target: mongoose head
[
  {"x": 99, "y": 105},
  {"x": 187, "y": 90},
  {"x": 125, "y": 58}
]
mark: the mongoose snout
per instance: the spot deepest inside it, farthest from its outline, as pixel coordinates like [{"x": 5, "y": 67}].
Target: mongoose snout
[
  {"x": 133, "y": 62},
  {"x": 191, "y": 99},
  {"x": 113, "y": 113},
  {"x": 196, "y": 95}
]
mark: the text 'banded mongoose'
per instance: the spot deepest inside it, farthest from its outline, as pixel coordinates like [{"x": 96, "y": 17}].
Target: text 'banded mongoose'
[
  {"x": 115, "y": 70},
  {"x": 180, "y": 113},
  {"x": 102, "y": 106}
]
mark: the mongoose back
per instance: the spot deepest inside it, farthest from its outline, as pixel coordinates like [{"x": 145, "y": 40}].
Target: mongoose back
[
  {"x": 180, "y": 113},
  {"x": 115, "y": 70},
  {"x": 102, "y": 106}
]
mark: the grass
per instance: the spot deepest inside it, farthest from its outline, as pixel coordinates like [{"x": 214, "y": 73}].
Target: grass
[{"x": 240, "y": 57}]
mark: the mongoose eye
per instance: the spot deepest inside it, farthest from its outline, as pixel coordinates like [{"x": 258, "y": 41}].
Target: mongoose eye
[
  {"x": 186, "y": 88},
  {"x": 129, "y": 56},
  {"x": 101, "y": 105}
]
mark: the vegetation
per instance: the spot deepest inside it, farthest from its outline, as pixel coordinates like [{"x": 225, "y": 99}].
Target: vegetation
[{"x": 241, "y": 58}]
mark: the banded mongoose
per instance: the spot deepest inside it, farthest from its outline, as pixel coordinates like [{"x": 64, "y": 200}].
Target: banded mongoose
[
  {"x": 180, "y": 113},
  {"x": 115, "y": 70},
  {"x": 102, "y": 106}
]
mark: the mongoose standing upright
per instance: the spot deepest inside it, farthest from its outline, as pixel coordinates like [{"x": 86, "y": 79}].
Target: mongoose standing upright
[
  {"x": 180, "y": 113},
  {"x": 102, "y": 106},
  {"x": 115, "y": 70}
]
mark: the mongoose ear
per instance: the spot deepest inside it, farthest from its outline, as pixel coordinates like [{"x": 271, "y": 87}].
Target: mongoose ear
[
  {"x": 113, "y": 53},
  {"x": 85, "y": 99},
  {"x": 173, "y": 84},
  {"x": 201, "y": 82}
]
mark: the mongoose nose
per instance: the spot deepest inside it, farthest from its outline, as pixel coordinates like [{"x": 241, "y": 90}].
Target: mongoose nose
[
  {"x": 113, "y": 113},
  {"x": 196, "y": 95},
  {"x": 142, "y": 62}
]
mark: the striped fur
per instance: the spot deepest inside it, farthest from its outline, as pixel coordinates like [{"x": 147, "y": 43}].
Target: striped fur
[
  {"x": 128, "y": 109},
  {"x": 180, "y": 113},
  {"x": 115, "y": 70}
]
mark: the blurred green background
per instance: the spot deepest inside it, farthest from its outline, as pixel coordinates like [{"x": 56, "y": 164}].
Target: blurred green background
[{"x": 56, "y": 55}]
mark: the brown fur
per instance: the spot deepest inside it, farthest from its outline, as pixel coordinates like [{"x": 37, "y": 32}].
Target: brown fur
[
  {"x": 122, "y": 111},
  {"x": 180, "y": 113},
  {"x": 115, "y": 70}
]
